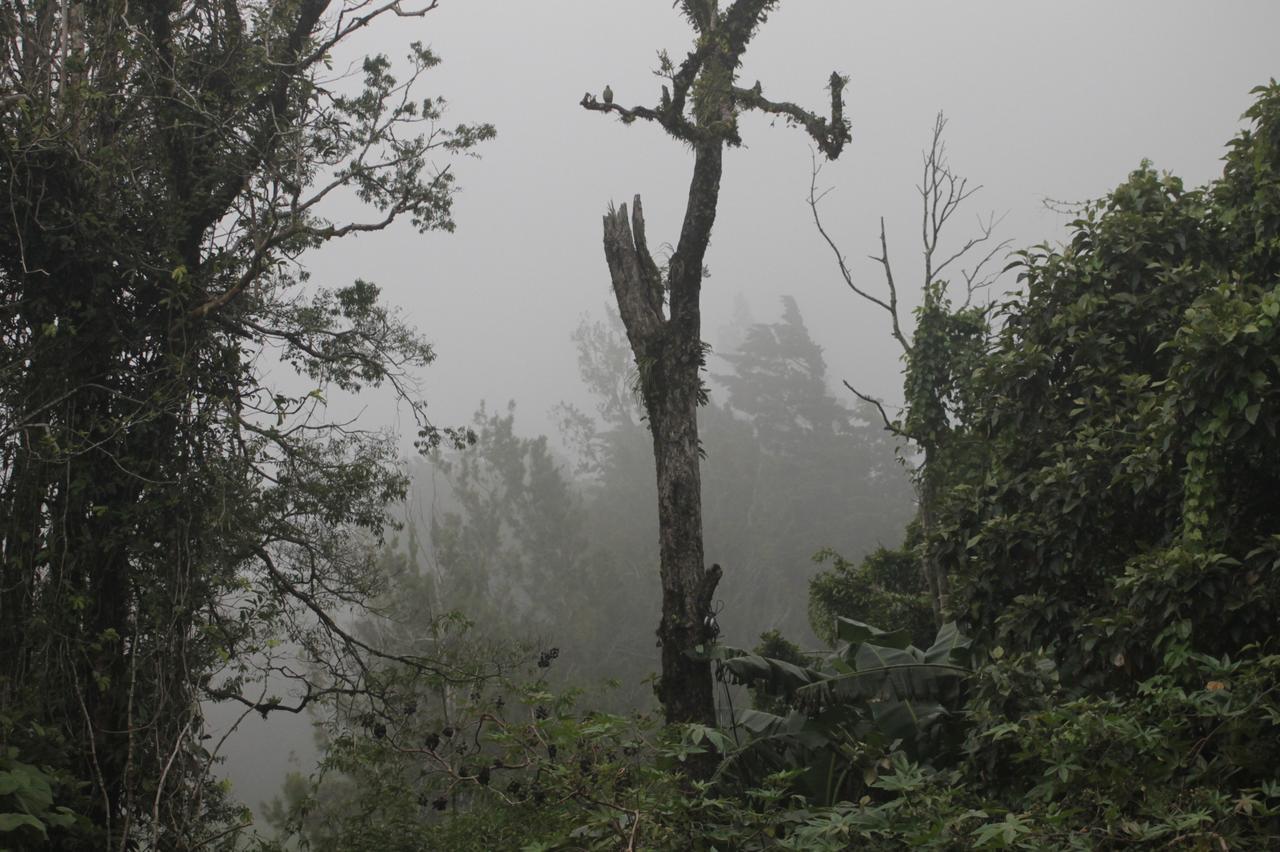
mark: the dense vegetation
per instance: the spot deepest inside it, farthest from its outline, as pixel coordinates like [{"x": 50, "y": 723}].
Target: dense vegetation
[
  {"x": 1072, "y": 647},
  {"x": 1112, "y": 547},
  {"x": 168, "y": 515}
]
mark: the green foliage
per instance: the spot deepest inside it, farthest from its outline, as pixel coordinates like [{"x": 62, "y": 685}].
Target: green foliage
[
  {"x": 773, "y": 645},
  {"x": 886, "y": 587},
  {"x": 947, "y": 345},
  {"x": 1189, "y": 759},
  {"x": 413, "y": 743},
  {"x": 1129, "y": 408},
  {"x": 494, "y": 766},
  {"x": 836, "y": 716},
  {"x": 28, "y": 814},
  {"x": 1102, "y": 487},
  {"x": 173, "y": 526},
  {"x": 1113, "y": 529}
]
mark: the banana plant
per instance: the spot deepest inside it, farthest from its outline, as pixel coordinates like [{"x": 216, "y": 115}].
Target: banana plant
[{"x": 847, "y": 709}]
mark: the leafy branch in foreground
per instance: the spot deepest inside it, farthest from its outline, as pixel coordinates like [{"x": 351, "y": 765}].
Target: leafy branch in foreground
[{"x": 172, "y": 526}]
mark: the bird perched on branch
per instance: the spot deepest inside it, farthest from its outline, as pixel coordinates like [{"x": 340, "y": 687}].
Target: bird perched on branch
[{"x": 608, "y": 94}]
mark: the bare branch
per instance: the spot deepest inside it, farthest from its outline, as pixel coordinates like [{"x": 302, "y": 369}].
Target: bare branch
[
  {"x": 666, "y": 115},
  {"x": 883, "y": 260},
  {"x": 889, "y": 425},
  {"x": 345, "y": 26},
  {"x": 739, "y": 24},
  {"x": 974, "y": 280},
  {"x": 291, "y": 590},
  {"x": 942, "y": 192},
  {"x": 890, "y": 306}
]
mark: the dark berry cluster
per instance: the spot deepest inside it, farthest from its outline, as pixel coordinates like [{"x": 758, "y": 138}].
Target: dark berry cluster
[{"x": 545, "y": 658}]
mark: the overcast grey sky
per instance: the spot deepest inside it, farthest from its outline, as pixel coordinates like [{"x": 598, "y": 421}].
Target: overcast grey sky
[{"x": 1057, "y": 100}]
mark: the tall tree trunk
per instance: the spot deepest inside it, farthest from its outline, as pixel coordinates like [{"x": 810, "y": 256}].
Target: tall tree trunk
[
  {"x": 687, "y": 586},
  {"x": 700, "y": 107},
  {"x": 669, "y": 355}
]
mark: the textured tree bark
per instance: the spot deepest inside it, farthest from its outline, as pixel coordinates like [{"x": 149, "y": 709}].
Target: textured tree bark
[
  {"x": 687, "y": 585},
  {"x": 669, "y": 354},
  {"x": 663, "y": 318}
]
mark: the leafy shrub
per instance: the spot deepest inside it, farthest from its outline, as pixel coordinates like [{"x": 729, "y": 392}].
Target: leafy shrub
[
  {"x": 836, "y": 717},
  {"x": 28, "y": 814},
  {"x": 886, "y": 587}
]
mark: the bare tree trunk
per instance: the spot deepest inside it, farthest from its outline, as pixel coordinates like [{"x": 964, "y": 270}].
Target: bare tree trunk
[
  {"x": 669, "y": 353},
  {"x": 687, "y": 584},
  {"x": 663, "y": 319}
]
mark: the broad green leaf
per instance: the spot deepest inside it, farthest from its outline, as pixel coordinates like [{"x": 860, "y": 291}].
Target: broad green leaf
[
  {"x": 12, "y": 822},
  {"x": 947, "y": 645},
  {"x": 855, "y": 632}
]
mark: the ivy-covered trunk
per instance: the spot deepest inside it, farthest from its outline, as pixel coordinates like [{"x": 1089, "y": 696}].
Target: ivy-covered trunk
[
  {"x": 935, "y": 574},
  {"x": 101, "y": 519}
]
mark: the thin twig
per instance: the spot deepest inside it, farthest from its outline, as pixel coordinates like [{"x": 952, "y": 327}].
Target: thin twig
[
  {"x": 889, "y": 425},
  {"x": 890, "y": 306}
]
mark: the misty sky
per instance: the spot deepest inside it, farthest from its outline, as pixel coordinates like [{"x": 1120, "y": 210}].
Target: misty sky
[{"x": 1045, "y": 100}]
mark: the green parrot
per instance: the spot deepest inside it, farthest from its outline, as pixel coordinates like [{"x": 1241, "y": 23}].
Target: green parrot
[{"x": 608, "y": 94}]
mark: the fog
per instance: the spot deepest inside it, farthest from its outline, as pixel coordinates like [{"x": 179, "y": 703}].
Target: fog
[{"x": 1045, "y": 102}]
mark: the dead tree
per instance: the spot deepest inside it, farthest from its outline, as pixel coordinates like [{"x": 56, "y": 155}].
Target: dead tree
[
  {"x": 700, "y": 107},
  {"x": 934, "y": 405}
]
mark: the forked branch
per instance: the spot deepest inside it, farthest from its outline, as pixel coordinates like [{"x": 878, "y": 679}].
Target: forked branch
[
  {"x": 942, "y": 192},
  {"x": 888, "y": 304},
  {"x": 723, "y": 38}
]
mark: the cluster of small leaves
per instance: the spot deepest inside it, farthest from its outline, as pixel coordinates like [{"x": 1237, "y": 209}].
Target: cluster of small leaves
[{"x": 1187, "y": 760}]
